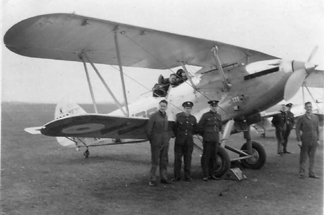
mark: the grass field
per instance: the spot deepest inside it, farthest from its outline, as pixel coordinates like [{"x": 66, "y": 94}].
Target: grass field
[{"x": 38, "y": 176}]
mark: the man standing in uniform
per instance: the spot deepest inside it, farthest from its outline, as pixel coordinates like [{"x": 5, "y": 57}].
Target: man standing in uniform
[
  {"x": 290, "y": 124},
  {"x": 279, "y": 122},
  {"x": 157, "y": 132},
  {"x": 209, "y": 126},
  {"x": 308, "y": 124},
  {"x": 184, "y": 128}
]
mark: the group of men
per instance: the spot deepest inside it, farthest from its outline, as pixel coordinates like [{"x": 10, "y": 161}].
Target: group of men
[
  {"x": 158, "y": 133},
  {"x": 307, "y": 131}
]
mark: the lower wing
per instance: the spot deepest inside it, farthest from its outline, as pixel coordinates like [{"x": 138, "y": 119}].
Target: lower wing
[{"x": 97, "y": 126}]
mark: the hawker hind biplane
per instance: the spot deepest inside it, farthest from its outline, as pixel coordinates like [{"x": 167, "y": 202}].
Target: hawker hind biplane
[{"x": 246, "y": 82}]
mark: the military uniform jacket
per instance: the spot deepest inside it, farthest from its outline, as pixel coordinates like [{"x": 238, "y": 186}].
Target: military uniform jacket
[
  {"x": 184, "y": 128},
  {"x": 279, "y": 120},
  {"x": 290, "y": 119},
  {"x": 157, "y": 129},
  {"x": 309, "y": 126},
  {"x": 209, "y": 126}
]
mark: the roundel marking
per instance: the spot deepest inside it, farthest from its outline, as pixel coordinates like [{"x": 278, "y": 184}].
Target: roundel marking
[{"x": 84, "y": 128}]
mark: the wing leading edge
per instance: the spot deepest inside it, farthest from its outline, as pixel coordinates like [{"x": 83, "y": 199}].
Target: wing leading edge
[{"x": 65, "y": 36}]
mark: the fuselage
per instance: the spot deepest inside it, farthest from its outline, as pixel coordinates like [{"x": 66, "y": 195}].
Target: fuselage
[{"x": 254, "y": 88}]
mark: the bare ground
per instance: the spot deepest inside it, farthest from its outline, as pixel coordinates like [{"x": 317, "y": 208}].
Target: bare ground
[{"x": 38, "y": 176}]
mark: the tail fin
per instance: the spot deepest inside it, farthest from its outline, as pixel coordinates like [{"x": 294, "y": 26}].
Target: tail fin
[
  {"x": 64, "y": 110},
  {"x": 67, "y": 109}
]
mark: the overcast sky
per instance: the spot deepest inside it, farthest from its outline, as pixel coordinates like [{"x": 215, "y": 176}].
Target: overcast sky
[{"x": 286, "y": 29}]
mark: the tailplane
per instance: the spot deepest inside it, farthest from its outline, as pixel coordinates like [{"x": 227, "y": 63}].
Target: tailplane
[{"x": 65, "y": 110}]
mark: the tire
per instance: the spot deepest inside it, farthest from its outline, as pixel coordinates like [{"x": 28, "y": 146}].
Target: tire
[
  {"x": 258, "y": 158},
  {"x": 223, "y": 162}
]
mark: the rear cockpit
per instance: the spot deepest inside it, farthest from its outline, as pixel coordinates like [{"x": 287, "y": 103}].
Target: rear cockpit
[{"x": 162, "y": 88}]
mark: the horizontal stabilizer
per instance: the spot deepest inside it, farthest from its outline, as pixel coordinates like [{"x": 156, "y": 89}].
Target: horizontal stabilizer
[
  {"x": 33, "y": 130},
  {"x": 67, "y": 109}
]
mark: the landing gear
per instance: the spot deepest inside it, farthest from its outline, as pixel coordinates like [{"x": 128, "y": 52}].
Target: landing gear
[
  {"x": 86, "y": 153},
  {"x": 258, "y": 156}
]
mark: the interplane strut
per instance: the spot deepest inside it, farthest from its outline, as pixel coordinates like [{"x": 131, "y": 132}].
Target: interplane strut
[
  {"x": 89, "y": 83},
  {"x": 214, "y": 50},
  {"x": 104, "y": 83}
]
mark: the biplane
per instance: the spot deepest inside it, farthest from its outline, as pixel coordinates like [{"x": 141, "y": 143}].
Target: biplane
[{"x": 245, "y": 81}]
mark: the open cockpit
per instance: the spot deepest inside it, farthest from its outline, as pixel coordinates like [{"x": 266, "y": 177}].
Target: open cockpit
[{"x": 162, "y": 87}]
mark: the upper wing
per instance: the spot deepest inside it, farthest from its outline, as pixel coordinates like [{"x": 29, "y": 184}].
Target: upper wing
[
  {"x": 64, "y": 36},
  {"x": 98, "y": 126}
]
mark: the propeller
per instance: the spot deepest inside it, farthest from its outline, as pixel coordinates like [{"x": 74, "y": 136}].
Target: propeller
[{"x": 300, "y": 71}]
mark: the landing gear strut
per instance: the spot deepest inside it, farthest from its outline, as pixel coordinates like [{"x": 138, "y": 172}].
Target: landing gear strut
[{"x": 257, "y": 153}]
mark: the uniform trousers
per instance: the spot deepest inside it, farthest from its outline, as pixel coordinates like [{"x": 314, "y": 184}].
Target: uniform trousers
[
  {"x": 286, "y": 136},
  {"x": 209, "y": 157},
  {"x": 280, "y": 132},
  {"x": 159, "y": 153},
  {"x": 307, "y": 150},
  {"x": 184, "y": 151}
]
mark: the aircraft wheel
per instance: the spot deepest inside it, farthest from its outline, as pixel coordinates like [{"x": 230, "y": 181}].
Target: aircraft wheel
[
  {"x": 223, "y": 162},
  {"x": 86, "y": 153},
  {"x": 258, "y": 158}
]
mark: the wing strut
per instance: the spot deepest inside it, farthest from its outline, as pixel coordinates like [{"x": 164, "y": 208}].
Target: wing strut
[
  {"x": 104, "y": 83},
  {"x": 303, "y": 93},
  {"x": 312, "y": 97},
  {"x": 89, "y": 83},
  {"x": 121, "y": 72},
  {"x": 188, "y": 75},
  {"x": 227, "y": 85}
]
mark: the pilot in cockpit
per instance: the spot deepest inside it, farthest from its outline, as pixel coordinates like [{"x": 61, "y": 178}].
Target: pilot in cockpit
[
  {"x": 181, "y": 76},
  {"x": 161, "y": 88},
  {"x": 173, "y": 80}
]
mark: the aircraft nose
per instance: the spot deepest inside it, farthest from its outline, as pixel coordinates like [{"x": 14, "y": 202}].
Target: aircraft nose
[
  {"x": 298, "y": 65},
  {"x": 296, "y": 79}
]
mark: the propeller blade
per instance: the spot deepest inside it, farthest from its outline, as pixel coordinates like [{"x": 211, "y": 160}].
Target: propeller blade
[
  {"x": 312, "y": 54},
  {"x": 294, "y": 82}
]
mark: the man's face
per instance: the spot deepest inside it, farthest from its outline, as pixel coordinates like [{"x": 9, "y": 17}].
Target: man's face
[
  {"x": 187, "y": 110},
  {"x": 213, "y": 108},
  {"x": 283, "y": 107},
  {"x": 183, "y": 75},
  {"x": 163, "y": 107},
  {"x": 308, "y": 108},
  {"x": 173, "y": 79}
]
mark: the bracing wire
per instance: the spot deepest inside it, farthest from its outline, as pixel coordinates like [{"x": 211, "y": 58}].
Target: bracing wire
[{"x": 124, "y": 34}]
